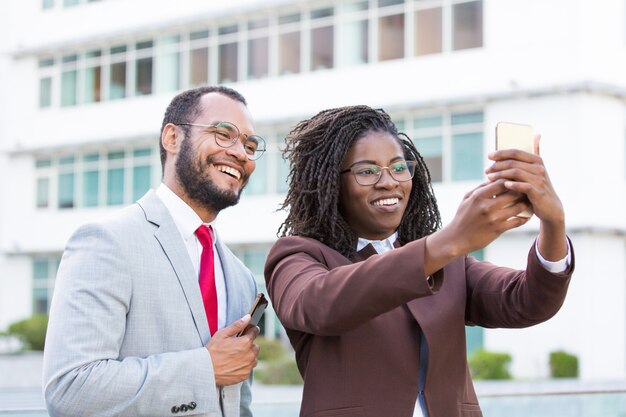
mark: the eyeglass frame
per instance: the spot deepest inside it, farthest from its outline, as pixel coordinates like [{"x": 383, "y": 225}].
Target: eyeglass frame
[
  {"x": 233, "y": 140},
  {"x": 380, "y": 175}
]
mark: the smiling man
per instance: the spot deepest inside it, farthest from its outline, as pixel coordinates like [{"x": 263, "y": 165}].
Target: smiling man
[{"x": 147, "y": 301}]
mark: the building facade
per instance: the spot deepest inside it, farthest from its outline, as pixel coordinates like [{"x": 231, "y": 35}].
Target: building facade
[{"x": 84, "y": 85}]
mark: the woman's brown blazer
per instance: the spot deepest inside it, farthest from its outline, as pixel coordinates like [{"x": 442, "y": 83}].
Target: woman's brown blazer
[{"x": 355, "y": 325}]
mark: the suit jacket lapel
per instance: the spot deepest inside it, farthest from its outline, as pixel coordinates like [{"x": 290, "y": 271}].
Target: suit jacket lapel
[
  {"x": 169, "y": 238},
  {"x": 235, "y": 304}
]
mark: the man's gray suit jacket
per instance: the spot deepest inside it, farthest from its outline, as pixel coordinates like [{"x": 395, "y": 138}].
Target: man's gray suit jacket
[{"x": 127, "y": 324}]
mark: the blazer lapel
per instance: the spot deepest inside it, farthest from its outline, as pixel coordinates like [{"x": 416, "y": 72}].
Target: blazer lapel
[
  {"x": 169, "y": 238},
  {"x": 235, "y": 303}
]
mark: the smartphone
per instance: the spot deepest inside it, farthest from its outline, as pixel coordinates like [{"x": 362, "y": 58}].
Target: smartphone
[
  {"x": 256, "y": 311},
  {"x": 516, "y": 136}
]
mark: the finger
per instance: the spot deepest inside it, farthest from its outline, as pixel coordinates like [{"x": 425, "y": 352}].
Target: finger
[
  {"x": 515, "y": 154},
  {"x": 490, "y": 189},
  {"x": 234, "y": 328}
]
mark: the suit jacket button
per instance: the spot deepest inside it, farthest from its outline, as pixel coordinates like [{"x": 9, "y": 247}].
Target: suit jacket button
[
  {"x": 175, "y": 409},
  {"x": 192, "y": 405},
  {"x": 183, "y": 408}
]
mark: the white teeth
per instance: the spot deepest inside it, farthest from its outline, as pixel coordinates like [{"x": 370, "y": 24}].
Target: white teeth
[
  {"x": 229, "y": 170},
  {"x": 386, "y": 202}
]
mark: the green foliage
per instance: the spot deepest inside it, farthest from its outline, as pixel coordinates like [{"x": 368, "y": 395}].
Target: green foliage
[
  {"x": 31, "y": 331},
  {"x": 269, "y": 349},
  {"x": 282, "y": 371},
  {"x": 489, "y": 365},
  {"x": 563, "y": 365}
]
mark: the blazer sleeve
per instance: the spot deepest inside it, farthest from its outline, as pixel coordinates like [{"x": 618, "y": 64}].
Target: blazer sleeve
[
  {"x": 315, "y": 290},
  {"x": 509, "y": 298},
  {"x": 82, "y": 372}
]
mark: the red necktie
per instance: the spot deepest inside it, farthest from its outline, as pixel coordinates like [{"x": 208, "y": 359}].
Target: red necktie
[{"x": 207, "y": 277}]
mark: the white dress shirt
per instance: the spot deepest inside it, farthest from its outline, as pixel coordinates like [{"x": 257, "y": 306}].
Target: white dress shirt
[{"x": 187, "y": 222}]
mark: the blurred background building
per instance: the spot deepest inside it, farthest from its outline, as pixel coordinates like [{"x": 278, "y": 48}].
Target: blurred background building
[{"x": 84, "y": 84}]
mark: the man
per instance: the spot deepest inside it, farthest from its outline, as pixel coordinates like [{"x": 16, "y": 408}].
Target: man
[{"x": 130, "y": 328}]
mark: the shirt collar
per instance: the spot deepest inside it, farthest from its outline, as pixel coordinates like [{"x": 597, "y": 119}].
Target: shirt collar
[
  {"x": 381, "y": 246},
  {"x": 187, "y": 221}
]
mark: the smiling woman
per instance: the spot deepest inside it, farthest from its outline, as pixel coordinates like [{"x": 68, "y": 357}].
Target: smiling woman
[{"x": 373, "y": 295}]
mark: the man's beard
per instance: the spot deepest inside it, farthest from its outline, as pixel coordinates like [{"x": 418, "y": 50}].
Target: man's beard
[{"x": 197, "y": 186}]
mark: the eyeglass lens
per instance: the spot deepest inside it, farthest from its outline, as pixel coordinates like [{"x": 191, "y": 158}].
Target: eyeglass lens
[
  {"x": 226, "y": 134},
  {"x": 368, "y": 174}
]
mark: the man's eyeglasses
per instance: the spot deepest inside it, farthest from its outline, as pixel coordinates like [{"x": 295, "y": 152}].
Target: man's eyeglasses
[
  {"x": 369, "y": 174},
  {"x": 227, "y": 134}
]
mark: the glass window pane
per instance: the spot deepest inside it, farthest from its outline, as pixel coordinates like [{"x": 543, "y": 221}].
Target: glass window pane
[
  {"x": 143, "y": 76},
  {"x": 92, "y": 84},
  {"x": 91, "y": 157},
  {"x": 227, "y": 30},
  {"x": 144, "y": 45},
  {"x": 118, "y": 81},
  {"x": 40, "y": 300},
  {"x": 391, "y": 37},
  {"x": 258, "y": 57},
  {"x": 474, "y": 337},
  {"x": 40, "y": 269},
  {"x": 321, "y": 13},
  {"x": 258, "y": 181},
  {"x": 468, "y": 25},
  {"x": 67, "y": 3},
  {"x": 200, "y": 34},
  {"x": 428, "y": 33},
  {"x": 431, "y": 149},
  {"x": 141, "y": 181},
  {"x": 228, "y": 63},
  {"x": 43, "y": 163},
  {"x": 289, "y": 18},
  {"x": 91, "y": 181},
  {"x": 66, "y": 190},
  {"x": 199, "y": 67},
  {"x": 355, "y": 42},
  {"x": 465, "y": 118},
  {"x": 289, "y": 53},
  {"x": 467, "y": 156},
  {"x": 68, "y": 88},
  {"x": 115, "y": 155},
  {"x": 46, "y": 62},
  {"x": 383, "y": 3},
  {"x": 137, "y": 153},
  {"x": 66, "y": 160},
  {"x": 254, "y": 259},
  {"x": 43, "y": 192},
  {"x": 115, "y": 186},
  {"x": 427, "y": 122},
  {"x": 168, "y": 72},
  {"x": 322, "y": 48},
  {"x": 47, "y": 4},
  {"x": 45, "y": 92}
]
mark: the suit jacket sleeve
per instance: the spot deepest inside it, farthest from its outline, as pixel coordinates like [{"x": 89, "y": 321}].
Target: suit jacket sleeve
[
  {"x": 83, "y": 375},
  {"x": 509, "y": 298},
  {"x": 309, "y": 284}
]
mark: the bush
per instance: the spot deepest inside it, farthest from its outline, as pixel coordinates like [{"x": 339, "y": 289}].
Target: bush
[
  {"x": 283, "y": 371},
  {"x": 489, "y": 365},
  {"x": 269, "y": 349},
  {"x": 563, "y": 365},
  {"x": 31, "y": 331}
]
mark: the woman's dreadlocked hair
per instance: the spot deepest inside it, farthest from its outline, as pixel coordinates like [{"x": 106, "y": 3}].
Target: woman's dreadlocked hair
[{"x": 316, "y": 149}]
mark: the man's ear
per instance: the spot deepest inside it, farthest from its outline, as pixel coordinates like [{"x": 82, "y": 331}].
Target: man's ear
[{"x": 171, "y": 138}]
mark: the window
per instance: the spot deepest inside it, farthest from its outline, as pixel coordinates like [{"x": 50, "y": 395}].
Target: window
[
  {"x": 44, "y": 273},
  {"x": 467, "y": 25},
  {"x": 451, "y": 144},
  {"x": 143, "y": 68},
  {"x": 199, "y": 58},
  {"x": 93, "y": 74},
  {"x": 117, "y": 81},
  {"x": 168, "y": 64},
  {"x": 95, "y": 179},
  {"x": 322, "y": 39},
  {"x": 354, "y": 39},
  {"x": 289, "y": 44},
  {"x": 390, "y": 30},
  {"x": 228, "y": 54},
  {"x": 69, "y": 80},
  {"x": 428, "y": 31},
  {"x": 258, "y": 49},
  {"x": 474, "y": 335}
]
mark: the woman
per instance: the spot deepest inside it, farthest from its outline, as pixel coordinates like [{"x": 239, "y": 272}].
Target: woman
[{"x": 373, "y": 296}]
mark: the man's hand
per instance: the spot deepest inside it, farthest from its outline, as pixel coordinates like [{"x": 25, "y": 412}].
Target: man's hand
[{"x": 233, "y": 357}]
